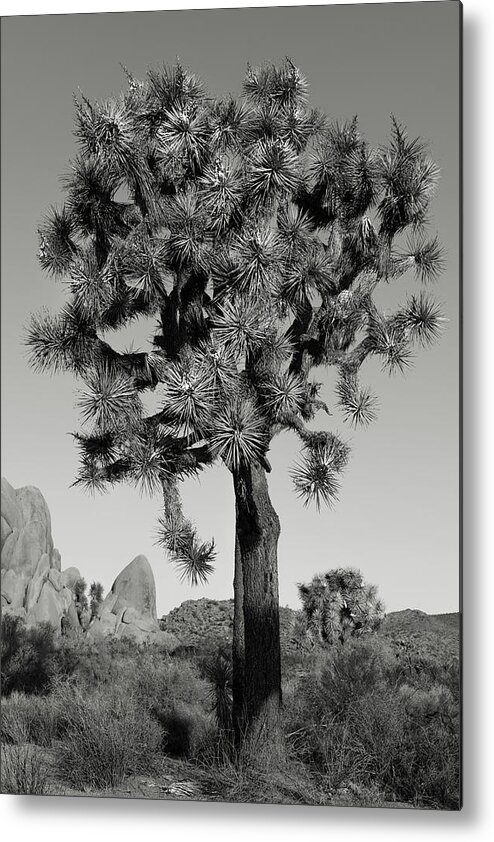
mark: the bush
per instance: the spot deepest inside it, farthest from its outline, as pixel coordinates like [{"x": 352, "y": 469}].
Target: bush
[
  {"x": 427, "y": 770},
  {"x": 172, "y": 691},
  {"x": 182, "y": 697},
  {"x": 159, "y": 679},
  {"x": 93, "y": 663},
  {"x": 357, "y": 723},
  {"x": 29, "y": 718},
  {"x": 146, "y": 669},
  {"x": 288, "y": 783},
  {"x": 416, "y": 663},
  {"x": 186, "y": 728},
  {"x": 23, "y": 770},
  {"x": 28, "y": 656},
  {"x": 106, "y": 737},
  {"x": 352, "y": 671},
  {"x": 378, "y": 726}
]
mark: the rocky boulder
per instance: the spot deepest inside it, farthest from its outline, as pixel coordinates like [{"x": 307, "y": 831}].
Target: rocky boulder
[
  {"x": 135, "y": 585},
  {"x": 70, "y": 576},
  {"x": 129, "y": 609},
  {"x": 33, "y": 586}
]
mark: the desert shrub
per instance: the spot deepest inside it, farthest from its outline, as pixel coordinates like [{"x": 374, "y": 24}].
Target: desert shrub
[
  {"x": 177, "y": 729},
  {"x": 23, "y": 770},
  {"x": 106, "y": 736},
  {"x": 331, "y": 751},
  {"x": 95, "y": 662},
  {"x": 159, "y": 680},
  {"x": 377, "y": 725},
  {"x": 30, "y": 718},
  {"x": 427, "y": 770},
  {"x": 335, "y": 745},
  {"x": 14, "y": 723},
  {"x": 231, "y": 780},
  {"x": 352, "y": 671},
  {"x": 28, "y": 656},
  {"x": 422, "y": 668},
  {"x": 342, "y": 676},
  {"x": 178, "y": 696},
  {"x": 73, "y": 653},
  {"x": 357, "y": 722},
  {"x": 192, "y": 702},
  {"x": 303, "y": 661},
  {"x": 148, "y": 670},
  {"x": 171, "y": 690},
  {"x": 187, "y": 729}
]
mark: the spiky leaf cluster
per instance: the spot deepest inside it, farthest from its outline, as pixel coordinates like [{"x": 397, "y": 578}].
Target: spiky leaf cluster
[
  {"x": 193, "y": 558},
  {"x": 421, "y": 319},
  {"x": 408, "y": 177},
  {"x": 358, "y": 404},
  {"x": 315, "y": 476},
  {"x": 110, "y": 400},
  {"x": 187, "y": 396},
  {"x": 239, "y": 433}
]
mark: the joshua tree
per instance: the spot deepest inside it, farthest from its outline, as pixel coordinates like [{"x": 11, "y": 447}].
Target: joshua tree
[
  {"x": 95, "y": 597},
  {"x": 339, "y": 604},
  {"x": 80, "y": 597},
  {"x": 254, "y": 233}
]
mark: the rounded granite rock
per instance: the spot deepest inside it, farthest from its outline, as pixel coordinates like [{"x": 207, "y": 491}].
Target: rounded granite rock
[
  {"x": 135, "y": 584},
  {"x": 69, "y": 576},
  {"x": 32, "y": 584}
]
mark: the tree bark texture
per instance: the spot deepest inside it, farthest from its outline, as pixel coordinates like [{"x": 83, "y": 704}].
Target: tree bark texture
[
  {"x": 238, "y": 644},
  {"x": 257, "y": 533}
]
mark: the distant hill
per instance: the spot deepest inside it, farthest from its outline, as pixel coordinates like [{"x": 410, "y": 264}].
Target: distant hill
[
  {"x": 197, "y": 621},
  {"x": 439, "y": 633}
]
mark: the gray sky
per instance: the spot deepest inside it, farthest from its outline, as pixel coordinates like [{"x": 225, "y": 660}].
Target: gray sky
[{"x": 397, "y": 519}]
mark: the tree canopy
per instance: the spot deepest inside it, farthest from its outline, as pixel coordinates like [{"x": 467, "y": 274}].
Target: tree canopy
[{"x": 253, "y": 232}]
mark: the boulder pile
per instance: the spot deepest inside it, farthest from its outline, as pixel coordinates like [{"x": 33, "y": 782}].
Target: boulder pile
[
  {"x": 33, "y": 584},
  {"x": 35, "y": 587},
  {"x": 129, "y": 609}
]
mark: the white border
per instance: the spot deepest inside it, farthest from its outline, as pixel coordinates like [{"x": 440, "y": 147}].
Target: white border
[{"x": 91, "y": 819}]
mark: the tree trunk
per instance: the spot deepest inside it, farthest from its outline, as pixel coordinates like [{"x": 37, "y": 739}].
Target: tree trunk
[
  {"x": 238, "y": 645},
  {"x": 257, "y": 533}
]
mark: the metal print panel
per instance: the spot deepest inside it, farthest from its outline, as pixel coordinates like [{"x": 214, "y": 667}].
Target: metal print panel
[{"x": 230, "y": 371}]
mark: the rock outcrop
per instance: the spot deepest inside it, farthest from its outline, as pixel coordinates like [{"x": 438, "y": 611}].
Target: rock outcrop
[
  {"x": 33, "y": 585},
  {"x": 129, "y": 609}
]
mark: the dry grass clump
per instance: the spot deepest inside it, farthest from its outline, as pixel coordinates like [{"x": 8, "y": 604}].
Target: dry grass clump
[
  {"x": 23, "y": 770},
  {"x": 366, "y": 723},
  {"x": 30, "y": 718},
  {"x": 105, "y": 737},
  {"x": 285, "y": 783}
]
